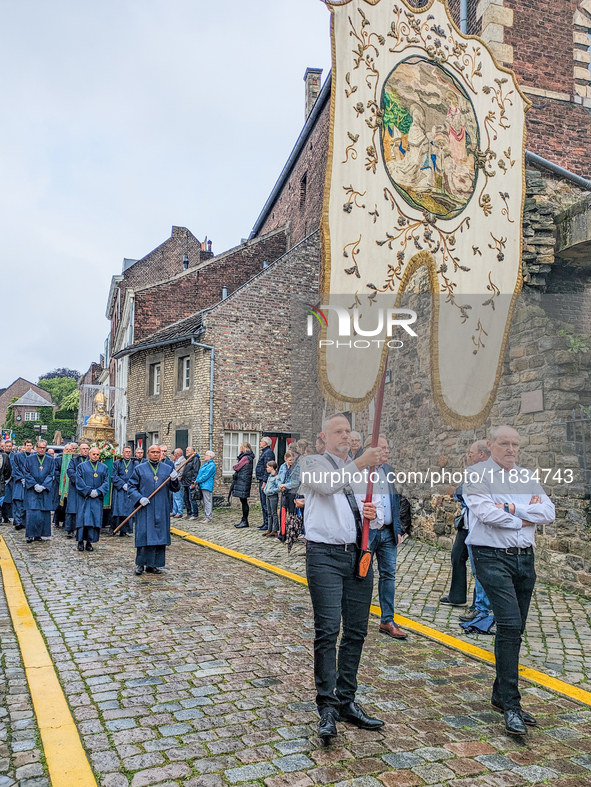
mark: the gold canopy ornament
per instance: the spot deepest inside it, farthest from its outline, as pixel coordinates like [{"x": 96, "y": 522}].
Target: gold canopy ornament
[
  {"x": 98, "y": 425},
  {"x": 426, "y": 168}
]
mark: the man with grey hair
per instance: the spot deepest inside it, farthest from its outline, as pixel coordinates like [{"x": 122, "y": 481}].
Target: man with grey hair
[
  {"x": 206, "y": 479},
  {"x": 460, "y": 554},
  {"x": 356, "y": 445},
  {"x": 267, "y": 455},
  {"x": 506, "y": 502}
]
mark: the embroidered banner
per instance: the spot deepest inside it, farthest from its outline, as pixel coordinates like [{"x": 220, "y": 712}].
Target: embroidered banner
[{"x": 426, "y": 168}]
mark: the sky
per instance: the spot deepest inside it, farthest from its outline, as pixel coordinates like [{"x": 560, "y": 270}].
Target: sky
[{"x": 121, "y": 119}]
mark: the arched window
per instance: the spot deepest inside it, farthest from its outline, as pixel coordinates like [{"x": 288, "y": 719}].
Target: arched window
[{"x": 582, "y": 49}]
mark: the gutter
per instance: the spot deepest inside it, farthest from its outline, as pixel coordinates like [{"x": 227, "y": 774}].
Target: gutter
[
  {"x": 212, "y": 350},
  {"x": 164, "y": 343},
  {"x": 323, "y": 97}
]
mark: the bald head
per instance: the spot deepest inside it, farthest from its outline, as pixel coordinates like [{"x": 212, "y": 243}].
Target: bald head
[{"x": 478, "y": 452}]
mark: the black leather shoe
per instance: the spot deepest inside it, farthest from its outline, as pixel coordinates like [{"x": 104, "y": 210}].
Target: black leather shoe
[
  {"x": 445, "y": 600},
  {"x": 354, "y": 714},
  {"x": 89, "y": 547},
  {"x": 528, "y": 719},
  {"x": 80, "y": 546},
  {"x": 241, "y": 524},
  {"x": 327, "y": 728},
  {"x": 263, "y": 527},
  {"x": 514, "y": 723},
  {"x": 139, "y": 570},
  {"x": 29, "y": 540}
]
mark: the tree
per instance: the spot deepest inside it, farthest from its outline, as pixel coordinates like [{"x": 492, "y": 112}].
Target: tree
[
  {"x": 61, "y": 372},
  {"x": 58, "y": 387}
]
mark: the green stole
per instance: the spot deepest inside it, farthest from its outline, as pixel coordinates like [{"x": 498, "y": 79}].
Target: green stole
[{"x": 64, "y": 479}]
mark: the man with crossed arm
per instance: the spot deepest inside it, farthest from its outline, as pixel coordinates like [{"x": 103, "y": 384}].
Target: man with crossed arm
[{"x": 505, "y": 508}]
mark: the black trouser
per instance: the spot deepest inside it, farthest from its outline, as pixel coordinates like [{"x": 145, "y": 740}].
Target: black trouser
[
  {"x": 459, "y": 576},
  {"x": 337, "y": 595},
  {"x": 6, "y": 511},
  {"x": 245, "y": 508},
  {"x": 508, "y": 581},
  {"x": 191, "y": 505}
]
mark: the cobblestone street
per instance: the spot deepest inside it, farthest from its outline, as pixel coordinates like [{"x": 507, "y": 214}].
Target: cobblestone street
[
  {"x": 203, "y": 677},
  {"x": 558, "y": 636}
]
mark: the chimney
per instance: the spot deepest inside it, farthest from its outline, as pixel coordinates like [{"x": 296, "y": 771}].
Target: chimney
[{"x": 312, "y": 78}]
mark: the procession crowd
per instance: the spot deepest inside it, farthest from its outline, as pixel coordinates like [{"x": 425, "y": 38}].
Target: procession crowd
[{"x": 339, "y": 521}]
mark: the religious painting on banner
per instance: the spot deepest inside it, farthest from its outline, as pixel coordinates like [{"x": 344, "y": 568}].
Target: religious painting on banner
[{"x": 426, "y": 169}]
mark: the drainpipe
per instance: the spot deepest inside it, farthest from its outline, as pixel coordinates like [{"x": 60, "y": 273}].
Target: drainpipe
[
  {"x": 533, "y": 158},
  {"x": 212, "y": 350},
  {"x": 464, "y": 16}
]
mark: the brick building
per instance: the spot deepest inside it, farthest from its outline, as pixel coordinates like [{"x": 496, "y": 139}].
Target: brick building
[
  {"x": 167, "y": 366},
  {"x": 17, "y": 389},
  {"x": 172, "y": 282},
  {"x": 27, "y": 407}
]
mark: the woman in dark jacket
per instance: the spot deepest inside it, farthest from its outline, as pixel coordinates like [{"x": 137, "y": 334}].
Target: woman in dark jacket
[{"x": 243, "y": 480}]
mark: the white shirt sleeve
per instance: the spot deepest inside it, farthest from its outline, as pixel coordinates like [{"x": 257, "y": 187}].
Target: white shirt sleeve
[
  {"x": 537, "y": 514},
  {"x": 484, "y": 508}
]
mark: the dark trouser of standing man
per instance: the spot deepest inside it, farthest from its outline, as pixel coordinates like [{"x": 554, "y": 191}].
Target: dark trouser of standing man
[
  {"x": 191, "y": 505},
  {"x": 508, "y": 577},
  {"x": 331, "y": 569},
  {"x": 263, "y": 496},
  {"x": 459, "y": 575}
]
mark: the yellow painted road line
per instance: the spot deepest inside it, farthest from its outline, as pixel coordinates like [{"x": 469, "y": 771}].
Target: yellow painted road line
[
  {"x": 554, "y": 684},
  {"x": 66, "y": 760}
]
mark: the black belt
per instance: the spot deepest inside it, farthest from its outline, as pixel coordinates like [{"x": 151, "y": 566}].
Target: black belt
[
  {"x": 334, "y": 547},
  {"x": 508, "y": 550}
]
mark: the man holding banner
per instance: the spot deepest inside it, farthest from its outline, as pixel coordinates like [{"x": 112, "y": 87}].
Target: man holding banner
[{"x": 333, "y": 523}]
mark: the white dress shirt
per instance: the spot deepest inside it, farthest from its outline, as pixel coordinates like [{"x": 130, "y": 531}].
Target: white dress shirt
[
  {"x": 329, "y": 519},
  {"x": 493, "y": 527}
]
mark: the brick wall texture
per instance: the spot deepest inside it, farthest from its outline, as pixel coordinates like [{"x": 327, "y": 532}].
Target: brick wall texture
[
  {"x": 195, "y": 289},
  {"x": 253, "y": 370}
]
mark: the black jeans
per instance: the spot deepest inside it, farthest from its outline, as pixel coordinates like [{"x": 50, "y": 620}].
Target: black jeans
[
  {"x": 191, "y": 505},
  {"x": 509, "y": 583},
  {"x": 337, "y": 595}
]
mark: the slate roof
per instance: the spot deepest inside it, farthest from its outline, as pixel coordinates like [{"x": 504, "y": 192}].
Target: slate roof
[
  {"x": 184, "y": 329},
  {"x": 31, "y": 399}
]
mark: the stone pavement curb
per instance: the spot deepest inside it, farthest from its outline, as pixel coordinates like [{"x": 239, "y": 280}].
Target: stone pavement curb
[
  {"x": 535, "y": 676},
  {"x": 66, "y": 760}
]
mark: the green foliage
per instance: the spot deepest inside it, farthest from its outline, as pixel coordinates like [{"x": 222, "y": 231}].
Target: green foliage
[
  {"x": 71, "y": 401},
  {"x": 10, "y": 423},
  {"x": 23, "y": 431},
  {"x": 61, "y": 372},
  {"x": 576, "y": 342},
  {"x": 395, "y": 114},
  {"x": 58, "y": 387}
]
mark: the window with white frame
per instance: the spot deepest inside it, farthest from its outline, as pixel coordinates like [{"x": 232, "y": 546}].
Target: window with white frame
[
  {"x": 232, "y": 443},
  {"x": 31, "y": 416},
  {"x": 184, "y": 373},
  {"x": 154, "y": 381},
  {"x": 153, "y": 438}
]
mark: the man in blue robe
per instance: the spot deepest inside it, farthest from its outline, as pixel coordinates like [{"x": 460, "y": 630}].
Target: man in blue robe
[
  {"x": 152, "y": 524},
  {"x": 7, "y": 473},
  {"x": 39, "y": 480},
  {"x": 122, "y": 505},
  {"x": 18, "y": 489},
  {"x": 92, "y": 484},
  {"x": 73, "y": 496}
]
